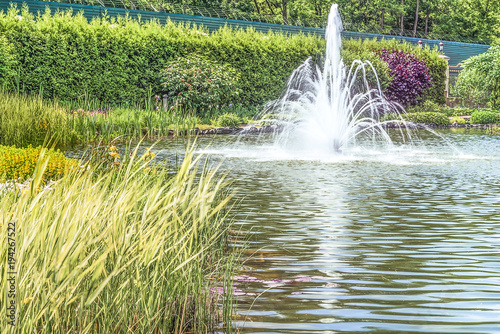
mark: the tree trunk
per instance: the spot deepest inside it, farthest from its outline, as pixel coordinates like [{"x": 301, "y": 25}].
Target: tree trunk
[
  {"x": 285, "y": 16},
  {"x": 257, "y": 6},
  {"x": 427, "y": 23},
  {"x": 382, "y": 20},
  {"x": 416, "y": 21},
  {"x": 402, "y": 16}
]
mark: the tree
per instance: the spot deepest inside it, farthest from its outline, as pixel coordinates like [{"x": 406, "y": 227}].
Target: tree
[{"x": 479, "y": 81}]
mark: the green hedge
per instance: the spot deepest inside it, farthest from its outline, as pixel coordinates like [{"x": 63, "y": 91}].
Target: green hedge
[
  {"x": 7, "y": 62},
  {"x": 436, "y": 65},
  {"x": 118, "y": 60},
  {"x": 427, "y": 117}
]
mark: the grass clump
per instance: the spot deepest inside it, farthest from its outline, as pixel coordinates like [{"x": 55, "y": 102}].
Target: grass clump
[{"x": 117, "y": 252}]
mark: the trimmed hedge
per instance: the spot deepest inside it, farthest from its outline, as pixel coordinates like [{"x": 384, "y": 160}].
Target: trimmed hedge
[
  {"x": 119, "y": 60},
  {"x": 427, "y": 117},
  {"x": 436, "y": 65},
  {"x": 7, "y": 62}
]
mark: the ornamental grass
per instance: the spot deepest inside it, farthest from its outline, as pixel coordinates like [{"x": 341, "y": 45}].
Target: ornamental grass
[{"x": 122, "y": 251}]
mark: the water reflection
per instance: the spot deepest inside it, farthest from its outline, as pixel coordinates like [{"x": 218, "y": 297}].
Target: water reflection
[{"x": 404, "y": 241}]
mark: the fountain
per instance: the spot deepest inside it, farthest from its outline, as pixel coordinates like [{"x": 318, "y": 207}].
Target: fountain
[{"x": 326, "y": 108}]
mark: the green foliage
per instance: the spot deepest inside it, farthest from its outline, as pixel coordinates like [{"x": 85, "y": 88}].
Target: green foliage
[
  {"x": 479, "y": 81},
  {"x": 29, "y": 120},
  {"x": 265, "y": 61},
  {"x": 227, "y": 120},
  {"x": 430, "y": 106},
  {"x": 427, "y": 117},
  {"x": 121, "y": 60},
  {"x": 19, "y": 163},
  {"x": 460, "y": 111},
  {"x": 484, "y": 117},
  {"x": 26, "y": 120},
  {"x": 119, "y": 251},
  {"x": 7, "y": 62},
  {"x": 436, "y": 65},
  {"x": 355, "y": 50},
  {"x": 199, "y": 84},
  {"x": 458, "y": 120}
]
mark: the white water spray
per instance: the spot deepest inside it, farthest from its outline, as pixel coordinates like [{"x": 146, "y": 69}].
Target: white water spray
[{"x": 327, "y": 108}]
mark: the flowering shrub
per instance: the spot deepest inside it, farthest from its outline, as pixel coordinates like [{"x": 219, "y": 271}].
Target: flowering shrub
[
  {"x": 19, "y": 163},
  {"x": 410, "y": 76},
  {"x": 195, "y": 83}
]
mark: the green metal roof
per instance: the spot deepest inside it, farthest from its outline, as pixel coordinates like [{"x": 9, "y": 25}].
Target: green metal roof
[{"x": 457, "y": 51}]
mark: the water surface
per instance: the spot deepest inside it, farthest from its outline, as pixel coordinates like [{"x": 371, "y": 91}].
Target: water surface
[{"x": 402, "y": 240}]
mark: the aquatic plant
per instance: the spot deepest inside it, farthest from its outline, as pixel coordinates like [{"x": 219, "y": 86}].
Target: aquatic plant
[{"x": 118, "y": 251}]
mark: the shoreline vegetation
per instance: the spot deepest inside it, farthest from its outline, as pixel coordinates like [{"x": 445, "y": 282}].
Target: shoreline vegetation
[{"x": 111, "y": 248}]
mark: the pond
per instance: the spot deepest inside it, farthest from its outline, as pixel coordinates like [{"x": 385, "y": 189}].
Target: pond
[{"x": 403, "y": 240}]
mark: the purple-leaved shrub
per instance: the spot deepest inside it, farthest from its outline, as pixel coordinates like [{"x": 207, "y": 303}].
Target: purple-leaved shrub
[{"x": 410, "y": 77}]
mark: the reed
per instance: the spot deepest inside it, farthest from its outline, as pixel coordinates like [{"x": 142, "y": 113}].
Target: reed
[
  {"x": 133, "y": 250},
  {"x": 28, "y": 119}
]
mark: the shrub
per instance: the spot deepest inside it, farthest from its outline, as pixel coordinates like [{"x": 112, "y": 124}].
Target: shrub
[
  {"x": 410, "y": 76},
  {"x": 458, "y": 120},
  {"x": 436, "y": 65},
  {"x": 200, "y": 84},
  {"x": 19, "y": 163},
  {"x": 460, "y": 111},
  {"x": 427, "y": 117},
  {"x": 484, "y": 117},
  {"x": 227, "y": 120},
  {"x": 429, "y": 106}
]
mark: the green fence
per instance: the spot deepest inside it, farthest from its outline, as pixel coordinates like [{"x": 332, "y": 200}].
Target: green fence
[{"x": 457, "y": 51}]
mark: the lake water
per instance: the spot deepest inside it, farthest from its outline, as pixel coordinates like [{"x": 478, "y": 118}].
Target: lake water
[{"x": 404, "y": 240}]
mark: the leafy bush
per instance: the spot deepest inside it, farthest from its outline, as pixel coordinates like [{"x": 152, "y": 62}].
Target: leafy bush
[
  {"x": 120, "y": 60},
  {"x": 458, "y": 120},
  {"x": 484, "y": 117},
  {"x": 227, "y": 120},
  {"x": 436, "y": 65},
  {"x": 479, "y": 81},
  {"x": 19, "y": 163},
  {"x": 429, "y": 106},
  {"x": 427, "y": 117},
  {"x": 196, "y": 83},
  {"x": 460, "y": 111},
  {"x": 410, "y": 76}
]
